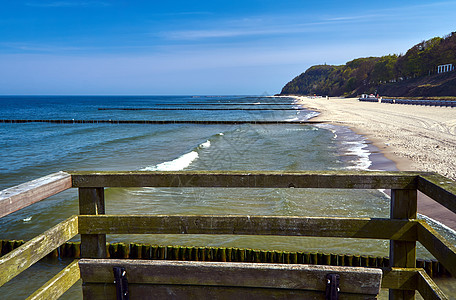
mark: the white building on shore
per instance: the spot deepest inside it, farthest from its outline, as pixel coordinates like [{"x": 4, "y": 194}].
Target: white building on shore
[{"x": 445, "y": 68}]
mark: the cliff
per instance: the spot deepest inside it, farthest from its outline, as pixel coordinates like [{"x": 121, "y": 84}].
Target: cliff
[{"x": 411, "y": 75}]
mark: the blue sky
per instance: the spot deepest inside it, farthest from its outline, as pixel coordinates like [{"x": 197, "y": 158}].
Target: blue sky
[{"x": 198, "y": 47}]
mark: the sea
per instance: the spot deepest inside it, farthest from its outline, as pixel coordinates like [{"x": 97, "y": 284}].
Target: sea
[{"x": 32, "y": 150}]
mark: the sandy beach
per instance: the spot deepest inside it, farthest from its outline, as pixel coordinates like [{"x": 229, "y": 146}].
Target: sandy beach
[{"x": 416, "y": 138}]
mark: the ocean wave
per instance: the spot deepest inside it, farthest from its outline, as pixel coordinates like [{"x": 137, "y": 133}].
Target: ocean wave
[
  {"x": 359, "y": 149},
  {"x": 177, "y": 164},
  {"x": 303, "y": 116},
  {"x": 182, "y": 161},
  {"x": 351, "y": 144},
  {"x": 328, "y": 127},
  {"x": 312, "y": 114},
  {"x": 292, "y": 119},
  {"x": 206, "y": 144}
]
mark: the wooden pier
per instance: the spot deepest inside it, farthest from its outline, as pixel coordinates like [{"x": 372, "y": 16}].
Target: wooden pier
[{"x": 403, "y": 277}]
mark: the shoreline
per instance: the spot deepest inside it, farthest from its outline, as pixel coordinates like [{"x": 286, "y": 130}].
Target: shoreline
[
  {"x": 401, "y": 163},
  {"x": 383, "y": 154}
]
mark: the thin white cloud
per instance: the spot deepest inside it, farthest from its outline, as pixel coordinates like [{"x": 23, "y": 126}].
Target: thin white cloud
[
  {"x": 221, "y": 33},
  {"x": 69, "y": 4},
  {"x": 184, "y": 13},
  {"x": 292, "y": 23},
  {"x": 232, "y": 32},
  {"x": 391, "y": 12},
  {"x": 432, "y": 4},
  {"x": 29, "y": 47},
  {"x": 363, "y": 17}
]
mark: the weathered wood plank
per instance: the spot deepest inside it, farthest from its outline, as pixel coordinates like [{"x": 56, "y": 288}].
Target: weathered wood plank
[
  {"x": 20, "y": 196},
  {"x": 107, "y": 291},
  {"x": 443, "y": 250},
  {"x": 439, "y": 188},
  {"x": 427, "y": 287},
  {"x": 165, "y": 291},
  {"x": 91, "y": 202},
  {"x": 251, "y": 179},
  {"x": 249, "y": 225},
  {"x": 23, "y": 257},
  {"x": 59, "y": 284},
  {"x": 287, "y": 276},
  {"x": 403, "y": 253}
]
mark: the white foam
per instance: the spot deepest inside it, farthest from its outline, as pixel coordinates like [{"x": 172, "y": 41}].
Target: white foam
[
  {"x": 177, "y": 164},
  {"x": 221, "y": 133},
  {"x": 312, "y": 114},
  {"x": 206, "y": 144},
  {"x": 328, "y": 127},
  {"x": 359, "y": 149},
  {"x": 292, "y": 119},
  {"x": 303, "y": 116}
]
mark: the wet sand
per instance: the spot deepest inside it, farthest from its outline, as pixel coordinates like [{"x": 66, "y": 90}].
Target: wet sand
[{"x": 415, "y": 138}]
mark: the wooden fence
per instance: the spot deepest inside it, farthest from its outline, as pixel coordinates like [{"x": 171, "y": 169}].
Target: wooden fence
[{"x": 403, "y": 230}]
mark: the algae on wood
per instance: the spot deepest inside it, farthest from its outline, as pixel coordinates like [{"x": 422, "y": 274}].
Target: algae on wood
[
  {"x": 249, "y": 225},
  {"x": 32, "y": 251},
  {"x": 59, "y": 284}
]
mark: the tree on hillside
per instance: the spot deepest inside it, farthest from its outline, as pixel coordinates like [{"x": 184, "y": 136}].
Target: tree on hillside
[{"x": 364, "y": 75}]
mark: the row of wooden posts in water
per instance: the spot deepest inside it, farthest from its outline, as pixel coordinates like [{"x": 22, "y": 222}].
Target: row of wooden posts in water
[
  {"x": 442, "y": 103},
  {"x": 229, "y": 254},
  {"x": 200, "y": 122},
  {"x": 180, "y": 108}
]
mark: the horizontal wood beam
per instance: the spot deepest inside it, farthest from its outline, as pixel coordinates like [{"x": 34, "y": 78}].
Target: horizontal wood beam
[
  {"x": 32, "y": 251},
  {"x": 443, "y": 250},
  {"x": 247, "y": 179},
  {"x": 403, "y": 230},
  {"x": 20, "y": 196},
  {"x": 439, "y": 188},
  {"x": 59, "y": 284},
  {"x": 284, "y": 276},
  {"x": 163, "y": 291}
]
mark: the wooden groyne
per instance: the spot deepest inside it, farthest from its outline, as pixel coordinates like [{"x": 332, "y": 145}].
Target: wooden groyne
[
  {"x": 200, "y": 122},
  {"x": 209, "y": 104},
  {"x": 210, "y": 109},
  {"x": 229, "y": 254},
  {"x": 442, "y": 103}
]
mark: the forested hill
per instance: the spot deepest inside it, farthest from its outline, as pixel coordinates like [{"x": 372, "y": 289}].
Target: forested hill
[{"x": 412, "y": 74}]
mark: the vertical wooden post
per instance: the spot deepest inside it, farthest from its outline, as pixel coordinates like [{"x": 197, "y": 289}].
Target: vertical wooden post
[
  {"x": 91, "y": 202},
  {"x": 403, "y": 254}
]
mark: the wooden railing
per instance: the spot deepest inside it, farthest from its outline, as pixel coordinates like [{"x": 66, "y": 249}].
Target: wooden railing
[{"x": 402, "y": 228}]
